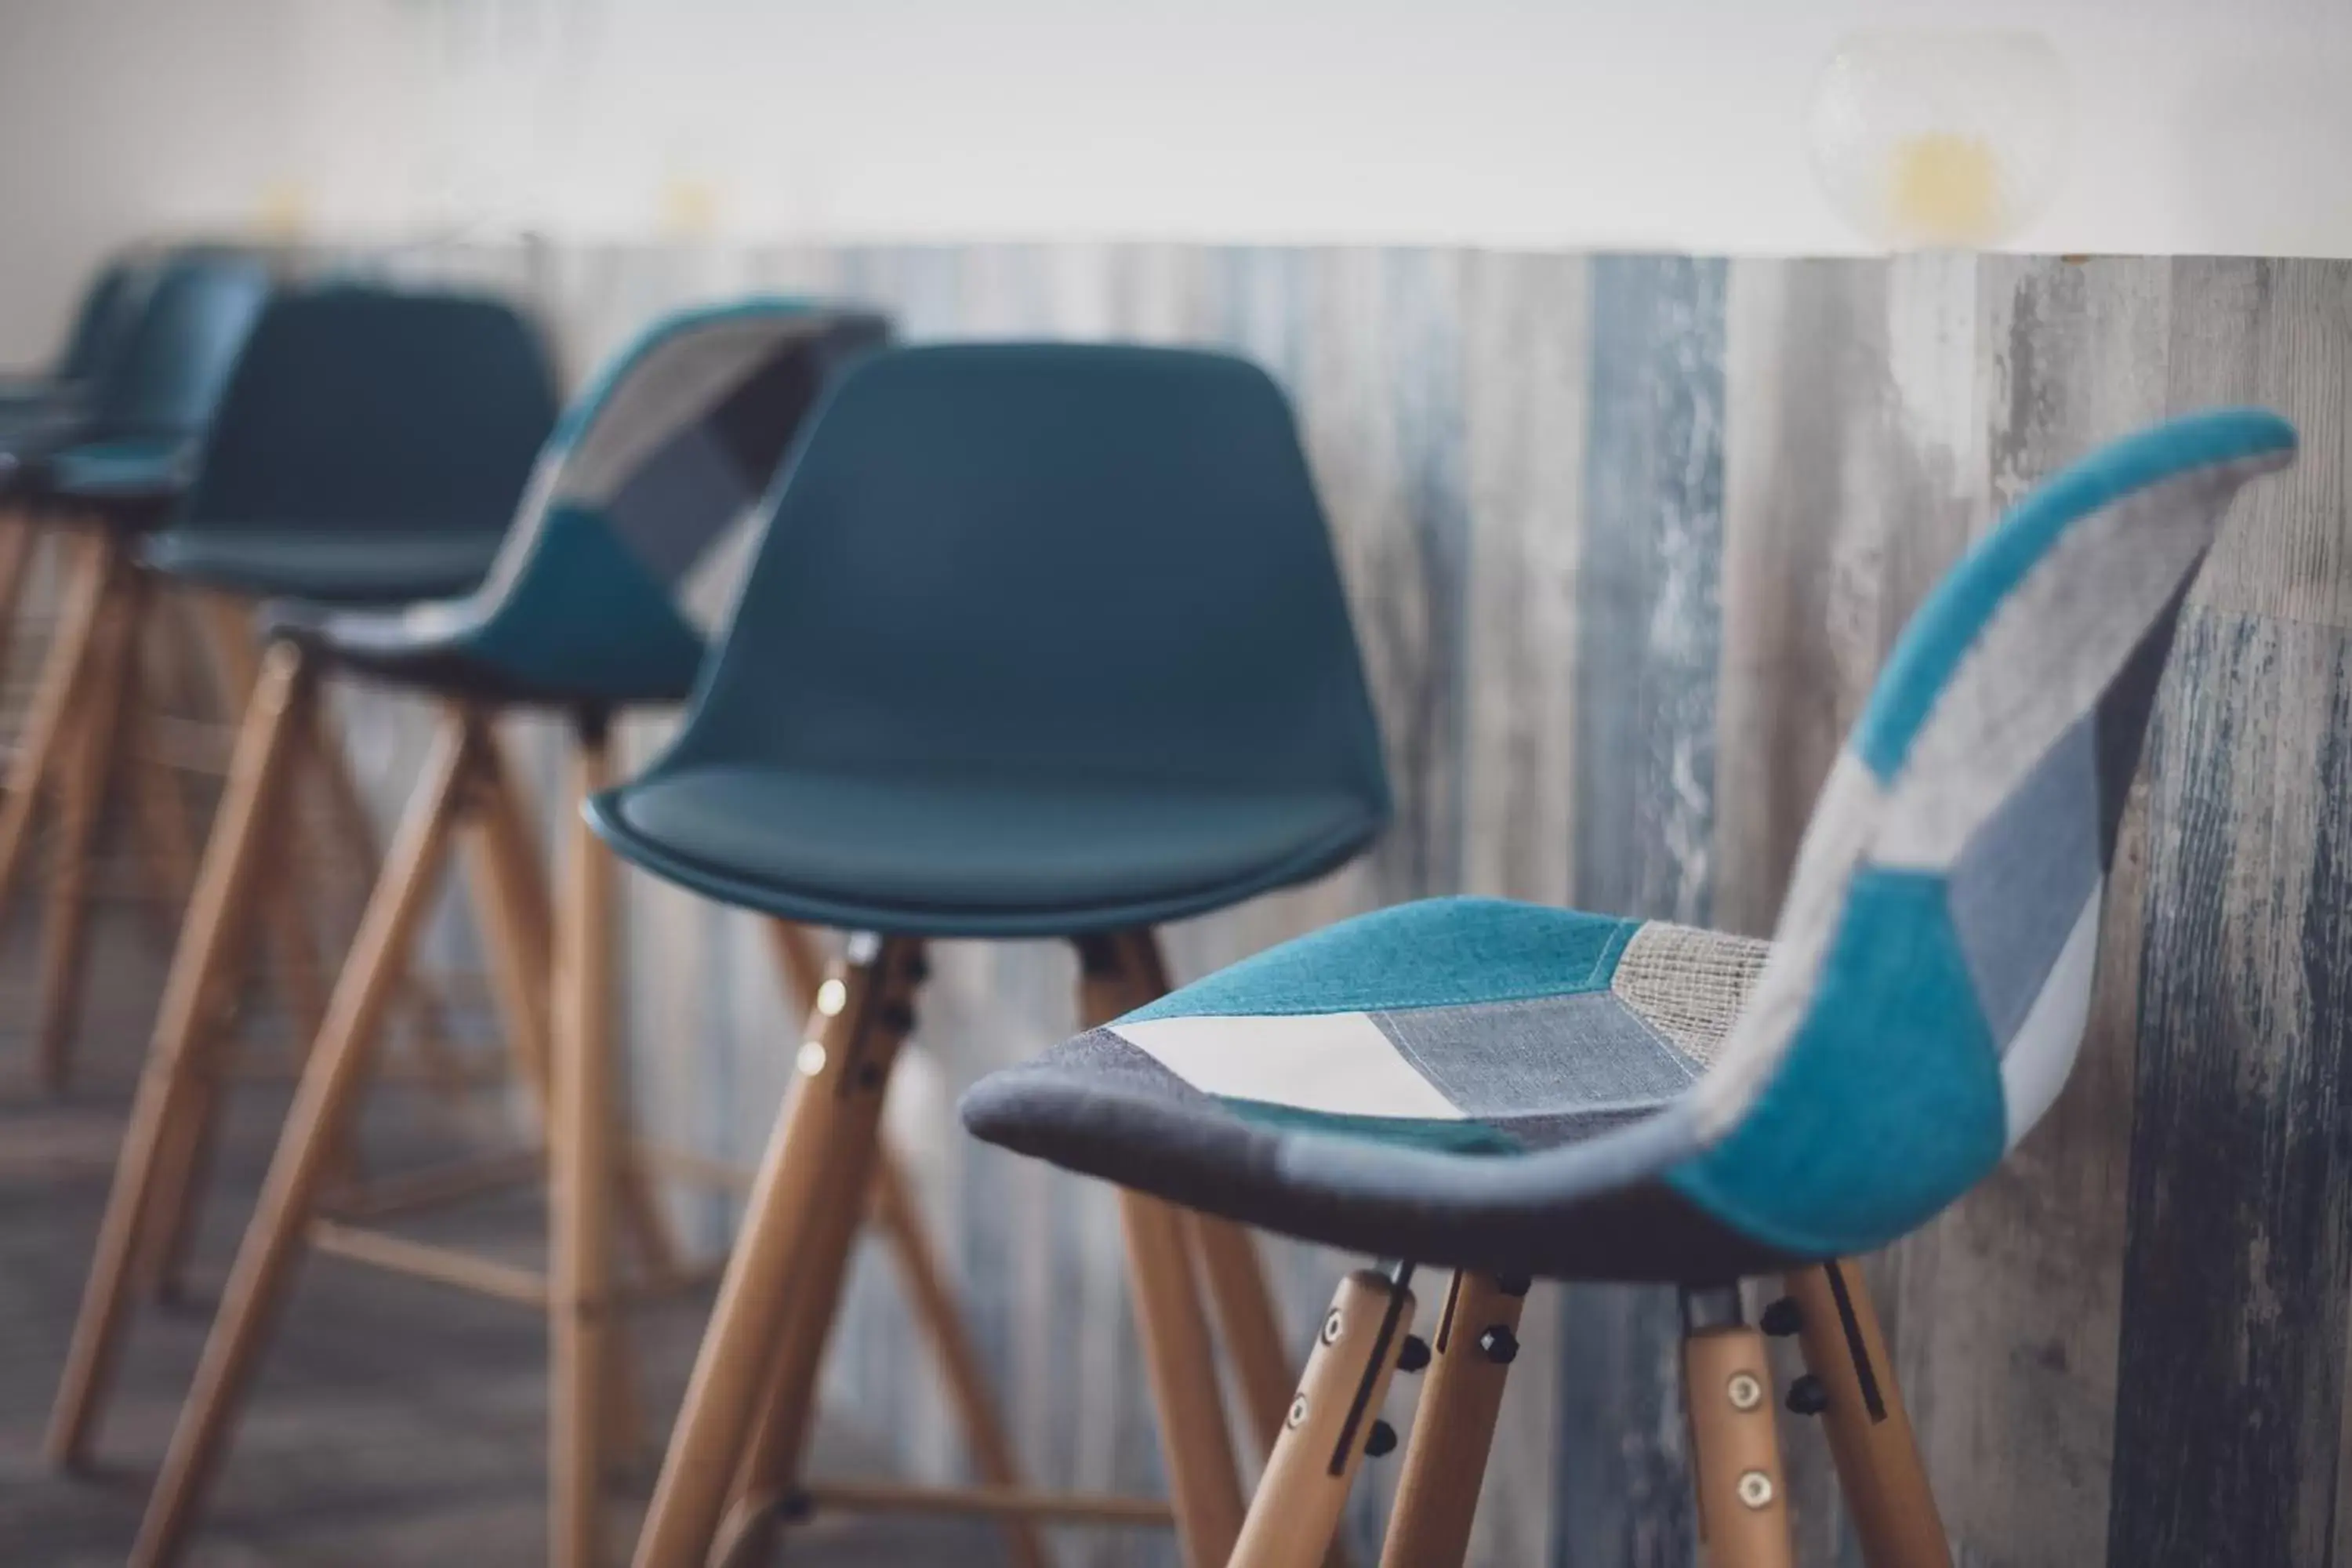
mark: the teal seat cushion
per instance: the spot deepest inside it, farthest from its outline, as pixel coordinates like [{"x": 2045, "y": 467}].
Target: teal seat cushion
[
  {"x": 976, "y": 855},
  {"x": 370, "y": 568},
  {"x": 146, "y": 471},
  {"x": 1467, "y": 1081}
]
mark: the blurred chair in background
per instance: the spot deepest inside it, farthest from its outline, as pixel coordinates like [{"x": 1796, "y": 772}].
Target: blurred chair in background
[
  {"x": 1041, "y": 641},
  {"x": 369, "y": 448},
  {"x": 95, "y": 471},
  {"x": 583, "y": 617}
]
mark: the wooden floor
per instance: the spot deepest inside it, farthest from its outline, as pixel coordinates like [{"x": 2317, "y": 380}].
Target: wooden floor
[{"x": 396, "y": 1422}]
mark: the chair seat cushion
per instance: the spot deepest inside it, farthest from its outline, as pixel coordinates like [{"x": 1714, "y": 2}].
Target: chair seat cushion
[
  {"x": 141, "y": 473},
  {"x": 1466, "y": 1082},
  {"x": 336, "y": 567},
  {"x": 974, "y": 856}
]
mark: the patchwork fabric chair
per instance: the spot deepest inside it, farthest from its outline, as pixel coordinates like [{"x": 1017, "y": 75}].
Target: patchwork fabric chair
[
  {"x": 584, "y": 615},
  {"x": 371, "y": 445},
  {"x": 1512, "y": 1092},
  {"x": 1041, "y": 641}
]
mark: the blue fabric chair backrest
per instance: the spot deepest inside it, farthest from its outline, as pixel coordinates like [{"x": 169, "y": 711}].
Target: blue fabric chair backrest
[
  {"x": 1000, "y": 561},
  {"x": 675, "y": 443},
  {"x": 164, "y": 380},
  {"x": 1930, "y": 975},
  {"x": 362, "y": 407}
]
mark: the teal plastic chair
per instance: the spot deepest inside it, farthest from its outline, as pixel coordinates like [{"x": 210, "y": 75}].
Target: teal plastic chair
[
  {"x": 356, "y": 442},
  {"x": 1516, "y": 1092},
  {"x": 101, "y": 321},
  {"x": 133, "y": 449},
  {"x": 584, "y": 615},
  {"x": 1041, "y": 641}
]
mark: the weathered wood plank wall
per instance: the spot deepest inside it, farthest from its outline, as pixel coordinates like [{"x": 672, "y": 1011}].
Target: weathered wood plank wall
[{"x": 1627, "y": 539}]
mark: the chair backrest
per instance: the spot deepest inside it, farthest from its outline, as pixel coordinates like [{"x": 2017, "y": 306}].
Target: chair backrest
[
  {"x": 363, "y": 407},
  {"x": 190, "y": 320},
  {"x": 108, "y": 309},
  {"x": 681, "y": 433},
  {"x": 675, "y": 443},
  {"x": 1011, "y": 559},
  {"x": 1930, "y": 975}
]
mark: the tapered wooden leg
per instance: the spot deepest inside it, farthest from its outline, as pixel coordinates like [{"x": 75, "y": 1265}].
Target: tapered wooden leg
[
  {"x": 580, "y": 1298},
  {"x": 19, "y": 534},
  {"x": 1877, "y": 1459},
  {"x": 1117, "y": 973},
  {"x": 1743, "y": 1507},
  {"x": 51, "y": 720},
  {"x": 293, "y": 954},
  {"x": 167, "y": 845},
  {"x": 83, "y": 788},
  {"x": 901, "y": 1222},
  {"x": 773, "y": 1318},
  {"x": 195, "y": 992},
  {"x": 510, "y": 904},
  {"x": 1329, "y": 1428},
  {"x": 317, "y": 1122},
  {"x": 1462, "y": 1394}
]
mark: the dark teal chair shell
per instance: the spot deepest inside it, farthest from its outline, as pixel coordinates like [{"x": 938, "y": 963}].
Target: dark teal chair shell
[
  {"x": 674, "y": 445},
  {"x": 1041, "y": 640},
  {"x": 101, "y": 320},
  {"x": 134, "y": 450},
  {"x": 371, "y": 445}
]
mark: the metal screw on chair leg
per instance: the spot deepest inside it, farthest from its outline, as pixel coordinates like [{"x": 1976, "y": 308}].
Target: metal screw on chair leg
[
  {"x": 1413, "y": 1354},
  {"x": 1807, "y": 1397},
  {"x": 1331, "y": 1327},
  {"x": 1499, "y": 1345},
  {"x": 1756, "y": 1489},
  {"x": 1744, "y": 1391},
  {"x": 898, "y": 1017},
  {"x": 1297, "y": 1411},
  {"x": 1381, "y": 1439},
  {"x": 1782, "y": 1318}
]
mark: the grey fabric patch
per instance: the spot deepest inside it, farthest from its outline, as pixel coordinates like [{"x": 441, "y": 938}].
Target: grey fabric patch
[
  {"x": 1545, "y": 1056},
  {"x": 1556, "y": 1129},
  {"x": 685, "y": 495},
  {"x": 2021, "y": 879}
]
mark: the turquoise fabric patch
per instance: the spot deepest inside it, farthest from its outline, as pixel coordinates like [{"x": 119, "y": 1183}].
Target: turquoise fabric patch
[
  {"x": 1431, "y": 1132},
  {"x": 1947, "y": 624},
  {"x": 1888, "y": 1105},
  {"x": 580, "y": 573},
  {"x": 1438, "y": 953}
]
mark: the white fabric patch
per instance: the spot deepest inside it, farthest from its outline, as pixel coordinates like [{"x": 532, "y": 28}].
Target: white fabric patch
[
  {"x": 2034, "y": 1067},
  {"x": 1337, "y": 1063}
]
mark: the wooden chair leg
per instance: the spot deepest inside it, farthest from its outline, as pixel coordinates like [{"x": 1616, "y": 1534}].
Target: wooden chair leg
[
  {"x": 1453, "y": 1430},
  {"x": 202, "y": 974},
  {"x": 1330, "y": 1427},
  {"x": 84, "y": 787},
  {"x": 317, "y": 1122},
  {"x": 1196, "y": 1449},
  {"x": 1877, "y": 1459},
  {"x": 1743, "y": 1507},
  {"x": 293, "y": 955},
  {"x": 1117, "y": 973},
  {"x": 167, "y": 845},
  {"x": 51, "y": 719},
  {"x": 777, "y": 1300},
  {"x": 941, "y": 1321},
  {"x": 580, "y": 1294},
  {"x": 19, "y": 535}
]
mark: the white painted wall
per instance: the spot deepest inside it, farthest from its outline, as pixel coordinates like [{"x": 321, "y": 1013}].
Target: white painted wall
[{"x": 2199, "y": 126}]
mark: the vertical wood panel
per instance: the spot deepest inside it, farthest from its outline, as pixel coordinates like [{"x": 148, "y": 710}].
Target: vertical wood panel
[{"x": 1648, "y": 648}]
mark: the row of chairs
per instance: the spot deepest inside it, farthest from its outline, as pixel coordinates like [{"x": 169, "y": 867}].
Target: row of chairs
[{"x": 1048, "y": 641}]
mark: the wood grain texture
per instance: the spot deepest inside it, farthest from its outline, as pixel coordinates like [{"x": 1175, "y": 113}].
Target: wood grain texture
[{"x": 1627, "y": 539}]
